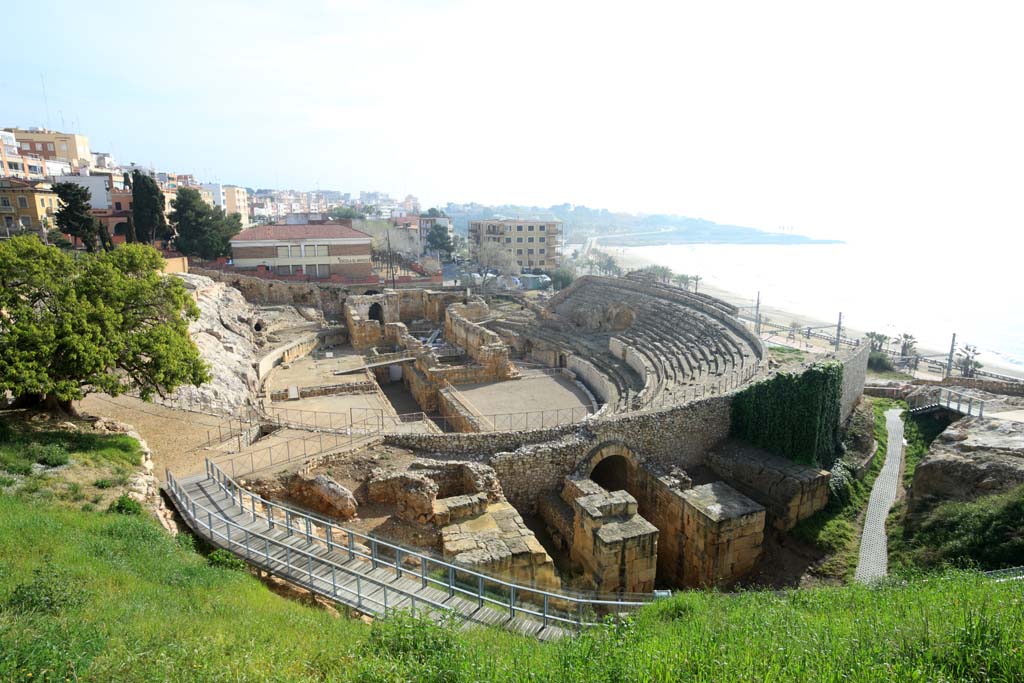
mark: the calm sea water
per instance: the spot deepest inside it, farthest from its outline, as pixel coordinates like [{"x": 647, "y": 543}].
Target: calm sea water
[{"x": 928, "y": 291}]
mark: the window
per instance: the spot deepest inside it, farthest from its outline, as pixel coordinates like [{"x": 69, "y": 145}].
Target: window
[
  {"x": 542, "y": 251},
  {"x": 4, "y": 201},
  {"x": 26, "y": 222},
  {"x": 316, "y": 250},
  {"x": 508, "y": 240},
  {"x": 63, "y": 146},
  {"x": 49, "y": 146},
  {"x": 542, "y": 228},
  {"x": 39, "y": 146},
  {"x": 22, "y": 202},
  {"x": 530, "y": 228},
  {"x": 117, "y": 206},
  {"x": 529, "y": 251},
  {"x": 283, "y": 270},
  {"x": 540, "y": 239},
  {"x": 529, "y": 239},
  {"x": 282, "y": 252},
  {"x": 8, "y": 221},
  {"x": 26, "y": 145},
  {"x": 519, "y": 228},
  {"x": 519, "y": 252}
]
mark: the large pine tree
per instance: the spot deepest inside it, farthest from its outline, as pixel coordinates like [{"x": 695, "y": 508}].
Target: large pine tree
[
  {"x": 202, "y": 230},
  {"x": 74, "y": 217}
]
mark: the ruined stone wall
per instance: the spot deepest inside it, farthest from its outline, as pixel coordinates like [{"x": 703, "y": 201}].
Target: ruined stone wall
[
  {"x": 456, "y": 414},
  {"x": 328, "y": 297},
  {"x": 481, "y": 344},
  {"x": 723, "y": 533},
  {"x": 595, "y": 380},
  {"x": 855, "y": 371}
]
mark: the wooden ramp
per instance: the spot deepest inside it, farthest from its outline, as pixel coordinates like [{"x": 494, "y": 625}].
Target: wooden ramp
[{"x": 368, "y": 574}]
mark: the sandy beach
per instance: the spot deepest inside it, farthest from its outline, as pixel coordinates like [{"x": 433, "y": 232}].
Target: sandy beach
[{"x": 629, "y": 260}]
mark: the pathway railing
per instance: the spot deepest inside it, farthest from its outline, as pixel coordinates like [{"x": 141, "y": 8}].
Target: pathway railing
[
  {"x": 426, "y": 570},
  {"x": 941, "y": 397}
]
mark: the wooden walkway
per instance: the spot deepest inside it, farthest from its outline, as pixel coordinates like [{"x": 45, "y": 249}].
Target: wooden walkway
[{"x": 364, "y": 573}]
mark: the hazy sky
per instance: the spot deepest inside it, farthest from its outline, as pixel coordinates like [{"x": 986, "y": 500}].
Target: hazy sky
[{"x": 837, "y": 119}]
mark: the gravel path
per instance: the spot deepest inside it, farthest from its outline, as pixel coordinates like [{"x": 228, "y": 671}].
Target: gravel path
[
  {"x": 874, "y": 549},
  {"x": 171, "y": 434}
]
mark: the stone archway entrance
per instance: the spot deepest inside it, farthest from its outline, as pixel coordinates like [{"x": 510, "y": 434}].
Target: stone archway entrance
[
  {"x": 611, "y": 473},
  {"x": 376, "y": 313}
]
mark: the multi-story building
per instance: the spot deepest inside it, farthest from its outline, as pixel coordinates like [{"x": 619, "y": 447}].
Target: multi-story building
[
  {"x": 98, "y": 186},
  {"x": 50, "y": 144},
  {"x": 16, "y": 163},
  {"x": 427, "y": 223},
  {"x": 532, "y": 242},
  {"x": 324, "y": 250},
  {"x": 217, "y": 193},
  {"x": 26, "y": 205},
  {"x": 236, "y": 200}
]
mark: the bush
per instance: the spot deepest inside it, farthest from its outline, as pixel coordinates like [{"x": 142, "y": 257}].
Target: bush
[
  {"x": 880, "y": 362},
  {"x": 51, "y": 455},
  {"x": 224, "y": 560},
  {"x": 125, "y": 505},
  {"x": 48, "y": 591},
  {"x": 841, "y": 484}
]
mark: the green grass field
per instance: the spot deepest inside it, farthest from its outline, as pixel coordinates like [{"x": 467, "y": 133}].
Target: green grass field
[{"x": 90, "y": 596}]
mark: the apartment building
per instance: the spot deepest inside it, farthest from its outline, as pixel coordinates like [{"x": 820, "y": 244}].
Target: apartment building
[
  {"x": 98, "y": 185},
  {"x": 16, "y": 163},
  {"x": 236, "y": 200},
  {"x": 217, "y": 194},
  {"x": 51, "y": 144},
  {"x": 534, "y": 243},
  {"x": 26, "y": 205},
  {"x": 427, "y": 223},
  {"x": 324, "y": 250}
]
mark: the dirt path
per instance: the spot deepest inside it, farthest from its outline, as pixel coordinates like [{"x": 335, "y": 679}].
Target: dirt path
[{"x": 170, "y": 433}]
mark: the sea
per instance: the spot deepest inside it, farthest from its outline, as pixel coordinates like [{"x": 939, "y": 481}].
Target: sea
[{"x": 930, "y": 290}]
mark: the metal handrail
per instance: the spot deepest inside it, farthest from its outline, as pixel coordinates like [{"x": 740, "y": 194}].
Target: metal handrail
[
  {"x": 234, "y": 490},
  {"x": 943, "y": 397}
]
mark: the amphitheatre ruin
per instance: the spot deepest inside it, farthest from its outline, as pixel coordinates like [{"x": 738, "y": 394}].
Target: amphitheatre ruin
[{"x": 580, "y": 444}]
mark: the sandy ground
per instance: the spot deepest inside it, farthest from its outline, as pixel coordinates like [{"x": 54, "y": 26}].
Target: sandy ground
[
  {"x": 630, "y": 261},
  {"x": 318, "y": 370},
  {"x": 171, "y": 434},
  {"x": 533, "y": 393}
]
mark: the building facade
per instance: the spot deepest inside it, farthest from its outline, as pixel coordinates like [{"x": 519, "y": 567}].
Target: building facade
[
  {"x": 98, "y": 186},
  {"x": 533, "y": 243},
  {"x": 324, "y": 251},
  {"x": 26, "y": 205},
  {"x": 50, "y": 144},
  {"x": 236, "y": 200}
]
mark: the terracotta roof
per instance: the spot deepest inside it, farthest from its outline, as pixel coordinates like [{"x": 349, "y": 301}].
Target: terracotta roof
[{"x": 299, "y": 232}]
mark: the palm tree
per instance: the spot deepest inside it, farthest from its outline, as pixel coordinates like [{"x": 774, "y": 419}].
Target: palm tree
[
  {"x": 695, "y": 279},
  {"x": 966, "y": 361},
  {"x": 682, "y": 280},
  {"x": 907, "y": 344},
  {"x": 877, "y": 340}
]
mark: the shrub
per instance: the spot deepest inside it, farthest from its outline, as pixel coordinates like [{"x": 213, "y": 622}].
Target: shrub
[
  {"x": 125, "y": 505},
  {"x": 223, "y": 559},
  {"x": 51, "y": 455},
  {"x": 880, "y": 362},
  {"x": 840, "y": 484},
  {"x": 48, "y": 591},
  {"x": 88, "y": 507}
]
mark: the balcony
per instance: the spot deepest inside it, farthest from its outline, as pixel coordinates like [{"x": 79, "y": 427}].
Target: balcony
[{"x": 6, "y": 209}]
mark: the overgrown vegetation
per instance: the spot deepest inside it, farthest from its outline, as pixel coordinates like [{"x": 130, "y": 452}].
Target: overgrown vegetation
[
  {"x": 786, "y": 355},
  {"x": 793, "y": 414},
  {"x": 24, "y": 446},
  {"x": 987, "y": 533},
  {"x": 177, "y": 618}
]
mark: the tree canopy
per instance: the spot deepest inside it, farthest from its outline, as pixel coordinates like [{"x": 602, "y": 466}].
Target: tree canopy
[
  {"x": 439, "y": 240},
  {"x": 202, "y": 230},
  {"x": 344, "y": 212},
  {"x": 493, "y": 259},
  {"x": 74, "y": 217},
  {"x": 107, "y": 322},
  {"x": 148, "y": 209}
]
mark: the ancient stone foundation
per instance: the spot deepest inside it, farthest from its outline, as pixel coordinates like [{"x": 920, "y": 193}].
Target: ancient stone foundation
[{"x": 723, "y": 531}]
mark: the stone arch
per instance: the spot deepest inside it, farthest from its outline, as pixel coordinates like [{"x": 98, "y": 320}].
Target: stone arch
[
  {"x": 562, "y": 360},
  {"x": 613, "y": 448},
  {"x": 527, "y": 348},
  {"x": 612, "y": 473},
  {"x": 376, "y": 313}
]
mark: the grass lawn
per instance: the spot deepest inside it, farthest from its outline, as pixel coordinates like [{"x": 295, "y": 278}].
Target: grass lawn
[{"x": 88, "y": 596}]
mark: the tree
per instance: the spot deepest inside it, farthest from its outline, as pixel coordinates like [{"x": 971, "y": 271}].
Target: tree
[
  {"x": 877, "y": 340},
  {"x": 74, "y": 217},
  {"x": 907, "y": 344},
  {"x": 493, "y": 260},
  {"x": 345, "y": 212},
  {"x": 108, "y": 322},
  {"x": 682, "y": 280},
  {"x": 562, "y": 277},
  {"x": 695, "y": 279},
  {"x": 966, "y": 362},
  {"x": 660, "y": 273},
  {"x": 435, "y": 213},
  {"x": 148, "y": 209},
  {"x": 202, "y": 230},
  {"x": 439, "y": 241}
]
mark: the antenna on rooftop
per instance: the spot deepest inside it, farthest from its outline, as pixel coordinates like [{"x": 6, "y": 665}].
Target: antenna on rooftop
[{"x": 46, "y": 100}]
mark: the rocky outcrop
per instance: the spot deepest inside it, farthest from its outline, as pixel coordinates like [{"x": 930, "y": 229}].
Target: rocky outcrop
[
  {"x": 325, "y": 495},
  {"x": 972, "y": 457}
]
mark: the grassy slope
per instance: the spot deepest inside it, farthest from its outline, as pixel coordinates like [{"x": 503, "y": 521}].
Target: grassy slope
[{"x": 150, "y": 608}]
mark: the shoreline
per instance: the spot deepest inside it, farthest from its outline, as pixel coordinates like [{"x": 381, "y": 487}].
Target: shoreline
[{"x": 631, "y": 261}]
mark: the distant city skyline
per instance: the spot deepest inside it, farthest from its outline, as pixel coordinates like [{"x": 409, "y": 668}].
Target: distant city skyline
[{"x": 889, "y": 120}]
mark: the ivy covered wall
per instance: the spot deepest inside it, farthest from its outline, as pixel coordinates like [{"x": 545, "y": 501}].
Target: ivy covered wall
[{"x": 793, "y": 415}]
